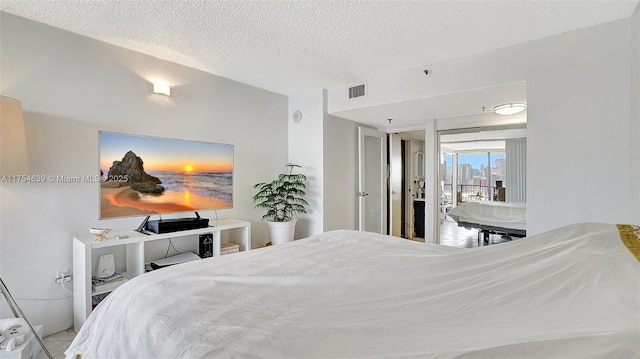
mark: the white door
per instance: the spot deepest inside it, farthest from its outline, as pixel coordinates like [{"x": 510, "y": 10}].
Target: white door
[{"x": 372, "y": 157}]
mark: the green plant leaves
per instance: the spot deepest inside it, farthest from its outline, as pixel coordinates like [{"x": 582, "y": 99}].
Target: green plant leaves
[{"x": 283, "y": 197}]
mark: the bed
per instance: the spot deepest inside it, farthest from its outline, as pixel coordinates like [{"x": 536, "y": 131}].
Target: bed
[
  {"x": 568, "y": 293},
  {"x": 490, "y": 217}
]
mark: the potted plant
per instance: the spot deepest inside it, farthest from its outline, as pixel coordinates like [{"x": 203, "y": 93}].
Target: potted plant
[{"x": 282, "y": 198}]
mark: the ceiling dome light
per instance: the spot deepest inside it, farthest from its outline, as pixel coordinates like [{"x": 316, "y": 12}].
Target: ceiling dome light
[{"x": 509, "y": 108}]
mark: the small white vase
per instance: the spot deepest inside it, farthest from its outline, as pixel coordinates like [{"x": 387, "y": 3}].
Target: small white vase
[{"x": 282, "y": 232}]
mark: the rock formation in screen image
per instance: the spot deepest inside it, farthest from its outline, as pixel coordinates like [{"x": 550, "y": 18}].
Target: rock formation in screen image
[{"x": 132, "y": 167}]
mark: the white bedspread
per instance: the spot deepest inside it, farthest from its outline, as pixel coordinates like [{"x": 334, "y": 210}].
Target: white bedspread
[
  {"x": 488, "y": 213},
  {"x": 569, "y": 293}
]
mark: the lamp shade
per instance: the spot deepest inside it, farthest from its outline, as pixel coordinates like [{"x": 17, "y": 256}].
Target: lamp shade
[
  {"x": 13, "y": 144},
  {"x": 509, "y": 108}
]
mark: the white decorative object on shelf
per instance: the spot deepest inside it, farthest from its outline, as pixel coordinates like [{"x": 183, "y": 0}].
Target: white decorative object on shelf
[
  {"x": 100, "y": 233},
  {"x": 106, "y": 266}
]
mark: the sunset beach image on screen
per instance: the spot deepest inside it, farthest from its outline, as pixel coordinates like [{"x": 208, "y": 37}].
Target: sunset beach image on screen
[{"x": 145, "y": 175}]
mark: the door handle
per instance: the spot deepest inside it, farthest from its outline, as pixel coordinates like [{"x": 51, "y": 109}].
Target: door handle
[{"x": 362, "y": 194}]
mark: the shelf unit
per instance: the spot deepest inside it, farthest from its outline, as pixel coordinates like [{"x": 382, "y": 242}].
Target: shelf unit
[
  {"x": 83, "y": 247},
  {"x": 110, "y": 289}
]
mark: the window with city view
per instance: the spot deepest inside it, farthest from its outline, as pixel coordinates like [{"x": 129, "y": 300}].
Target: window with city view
[{"x": 477, "y": 174}]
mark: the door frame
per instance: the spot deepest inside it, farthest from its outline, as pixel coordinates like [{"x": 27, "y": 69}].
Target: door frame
[{"x": 395, "y": 178}]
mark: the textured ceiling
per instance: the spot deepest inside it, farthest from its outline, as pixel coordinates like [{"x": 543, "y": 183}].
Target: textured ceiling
[{"x": 288, "y": 46}]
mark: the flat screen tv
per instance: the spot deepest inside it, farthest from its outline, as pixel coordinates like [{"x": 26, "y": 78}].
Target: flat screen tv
[{"x": 144, "y": 175}]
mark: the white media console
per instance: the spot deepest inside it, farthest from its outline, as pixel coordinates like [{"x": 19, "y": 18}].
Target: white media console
[{"x": 83, "y": 257}]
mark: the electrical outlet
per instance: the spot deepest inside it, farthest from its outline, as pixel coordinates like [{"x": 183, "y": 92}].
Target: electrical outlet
[{"x": 62, "y": 277}]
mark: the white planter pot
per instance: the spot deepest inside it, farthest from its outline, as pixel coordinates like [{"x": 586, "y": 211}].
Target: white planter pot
[{"x": 282, "y": 232}]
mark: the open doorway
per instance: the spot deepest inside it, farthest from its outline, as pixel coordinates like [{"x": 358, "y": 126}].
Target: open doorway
[
  {"x": 406, "y": 195},
  {"x": 479, "y": 165}
]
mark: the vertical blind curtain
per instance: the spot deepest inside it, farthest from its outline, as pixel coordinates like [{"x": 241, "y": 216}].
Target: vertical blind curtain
[{"x": 516, "y": 168}]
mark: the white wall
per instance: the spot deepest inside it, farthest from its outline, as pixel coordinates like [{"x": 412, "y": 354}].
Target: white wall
[
  {"x": 580, "y": 155},
  {"x": 305, "y": 149},
  {"x": 583, "y": 162},
  {"x": 71, "y": 87},
  {"x": 431, "y": 182},
  {"x": 327, "y": 148}
]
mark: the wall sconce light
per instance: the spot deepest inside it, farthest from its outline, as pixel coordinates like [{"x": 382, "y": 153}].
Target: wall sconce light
[
  {"x": 509, "y": 108},
  {"x": 161, "y": 88},
  {"x": 13, "y": 142}
]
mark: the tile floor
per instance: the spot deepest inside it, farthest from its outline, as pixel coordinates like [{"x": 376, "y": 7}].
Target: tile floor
[
  {"x": 454, "y": 236},
  {"x": 57, "y": 343}
]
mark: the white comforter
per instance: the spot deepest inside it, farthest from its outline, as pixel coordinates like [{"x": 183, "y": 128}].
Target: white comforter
[
  {"x": 495, "y": 214},
  {"x": 569, "y": 293}
]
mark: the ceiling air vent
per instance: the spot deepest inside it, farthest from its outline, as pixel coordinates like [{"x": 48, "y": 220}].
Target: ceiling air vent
[{"x": 356, "y": 91}]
